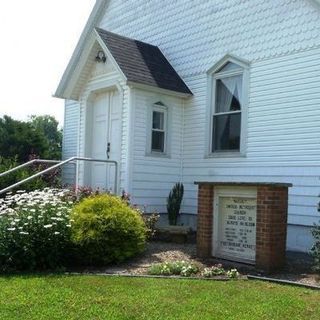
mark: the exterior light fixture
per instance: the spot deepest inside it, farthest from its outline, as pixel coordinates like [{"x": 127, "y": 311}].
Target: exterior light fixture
[{"x": 101, "y": 57}]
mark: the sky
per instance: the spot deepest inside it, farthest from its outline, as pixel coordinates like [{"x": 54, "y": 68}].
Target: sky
[{"x": 37, "y": 40}]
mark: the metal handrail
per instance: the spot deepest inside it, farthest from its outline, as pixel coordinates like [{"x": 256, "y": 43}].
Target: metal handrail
[
  {"x": 61, "y": 163},
  {"x": 27, "y": 164}
]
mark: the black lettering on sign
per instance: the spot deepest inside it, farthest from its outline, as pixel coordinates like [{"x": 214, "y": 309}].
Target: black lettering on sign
[{"x": 237, "y": 223}]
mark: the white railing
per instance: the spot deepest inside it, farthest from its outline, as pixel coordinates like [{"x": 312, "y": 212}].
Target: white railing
[{"x": 57, "y": 164}]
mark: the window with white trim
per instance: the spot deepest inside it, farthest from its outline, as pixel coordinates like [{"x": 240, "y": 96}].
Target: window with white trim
[
  {"x": 159, "y": 128},
  {"x": 227, "y": 108}
]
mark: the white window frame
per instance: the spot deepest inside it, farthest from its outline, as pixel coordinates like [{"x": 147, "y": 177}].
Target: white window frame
[
  {"x": 213, "y": 76},
  {"x": 163, "y": 109}
]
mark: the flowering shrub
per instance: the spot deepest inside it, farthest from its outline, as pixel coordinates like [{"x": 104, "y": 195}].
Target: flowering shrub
[
  {"x": 150, "y": 220},
  {"x": 76, "y": 194},
  {"x": 315, "y": 250},
  {"x": 233, "y": 274},
  {"x": 187, "y": 269},
  {"x": 35, "y": 230},
  {"x": 213, "y": 271},
  {"x": 181, "y": 268},
  {"x": 107, "y": 229}
]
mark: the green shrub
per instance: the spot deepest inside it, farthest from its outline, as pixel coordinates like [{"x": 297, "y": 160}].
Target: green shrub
[
  {"x": 174, "y": 203},
  {"x": 35, "y": 231},
  {"x": 107, "y": 230},
  {"x": 315, "y": 250},
  {"x": 180, "y": 268},
  {"x": 51, "y": 179}
]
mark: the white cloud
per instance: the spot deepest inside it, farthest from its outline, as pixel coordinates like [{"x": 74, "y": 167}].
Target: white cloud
[{"x": 37, "y": 40}]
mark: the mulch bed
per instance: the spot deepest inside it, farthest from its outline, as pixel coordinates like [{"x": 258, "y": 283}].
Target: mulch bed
[{"x": 298, "y": 267}]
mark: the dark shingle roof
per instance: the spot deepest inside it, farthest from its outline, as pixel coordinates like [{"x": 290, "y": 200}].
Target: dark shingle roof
[{"x": 143, "y": 63}]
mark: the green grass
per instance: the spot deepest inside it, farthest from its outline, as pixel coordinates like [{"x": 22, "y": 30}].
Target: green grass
[{"x": 94, "y": 297}]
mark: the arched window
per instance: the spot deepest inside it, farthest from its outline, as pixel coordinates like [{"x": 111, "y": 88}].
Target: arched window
[
  {"x": 159, "y": 128},
  {"x": 228, "y": 102}
]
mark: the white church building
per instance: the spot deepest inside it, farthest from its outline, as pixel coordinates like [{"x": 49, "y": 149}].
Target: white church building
[{"x": 207, "y": 90}]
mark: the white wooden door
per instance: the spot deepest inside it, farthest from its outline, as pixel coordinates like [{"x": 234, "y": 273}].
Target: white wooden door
[
  {"x": 106, "y": 135},
  {"x": 114, "y": 138}
]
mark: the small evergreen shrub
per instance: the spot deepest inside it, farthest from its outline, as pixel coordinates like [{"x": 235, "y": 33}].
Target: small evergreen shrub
[
  {"x": 180, "y": 268},
  {"x": 35, "y": 231},
  {"x": 174, "y": 203},
  {"x": 107, "y": 229}
]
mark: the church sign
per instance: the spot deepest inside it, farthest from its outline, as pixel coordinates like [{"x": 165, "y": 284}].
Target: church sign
[
  {"x": 243, "y": 222},
  {"x": 236, "y": 228}
]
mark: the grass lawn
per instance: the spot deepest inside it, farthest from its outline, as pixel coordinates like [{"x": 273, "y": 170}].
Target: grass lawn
[{"x": 96, "y": 297}]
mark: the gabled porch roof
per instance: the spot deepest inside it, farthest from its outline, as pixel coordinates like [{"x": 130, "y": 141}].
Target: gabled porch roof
[
  {"x": 143, "y": 63},
  {"x": 139, "y": 63}
]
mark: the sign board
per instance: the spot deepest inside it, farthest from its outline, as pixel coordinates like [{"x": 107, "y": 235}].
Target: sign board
[{"x": 235, "y": 232}]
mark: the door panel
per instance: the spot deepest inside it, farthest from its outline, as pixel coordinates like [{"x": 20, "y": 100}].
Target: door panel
[
  {"x": 99, "y": 141},
  {"x": 106, "y": 128},
  {"x": 114, "y": 137}
]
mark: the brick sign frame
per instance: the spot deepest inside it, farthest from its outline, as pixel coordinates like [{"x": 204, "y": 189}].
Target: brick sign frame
[{"x": 271, "y": 224}]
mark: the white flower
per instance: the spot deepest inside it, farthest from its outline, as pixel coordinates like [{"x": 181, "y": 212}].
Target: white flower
[
  {"x": 26, "y": 233},
  {"x": 56, "y": 233},
  {"x": 11, "y": 229},
  {"x": 29, "y": 217},
  {"x": 47, "y": 226}
]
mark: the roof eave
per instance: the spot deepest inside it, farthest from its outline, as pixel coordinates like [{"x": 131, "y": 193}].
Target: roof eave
[
  {"x": 95, "y": 16},
  {"x": 142, "y": 86}
]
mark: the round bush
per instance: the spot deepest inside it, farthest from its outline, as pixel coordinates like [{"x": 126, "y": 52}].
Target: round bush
[{"x": 107, "y": 229}]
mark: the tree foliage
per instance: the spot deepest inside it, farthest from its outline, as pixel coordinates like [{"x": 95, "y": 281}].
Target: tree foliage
[
  {"x": 49, "y": 127},
  {"x": 21, "y": 140}
]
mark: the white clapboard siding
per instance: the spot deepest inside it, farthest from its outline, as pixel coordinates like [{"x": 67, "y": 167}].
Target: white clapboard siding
[
  {"x": 194, "y": 35},
  {"x": 283, "y": 136},
  {"x": 70, "y": 139},
  {"x": 153, "y": 176}
]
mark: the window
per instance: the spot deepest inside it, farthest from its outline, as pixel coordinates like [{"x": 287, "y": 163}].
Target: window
[
  {"x": 159, "y": 128},
  {"x": 227, "y": 108}
]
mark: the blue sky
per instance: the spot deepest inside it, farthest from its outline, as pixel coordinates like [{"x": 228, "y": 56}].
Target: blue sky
[{"x": 37, "y": 40}]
